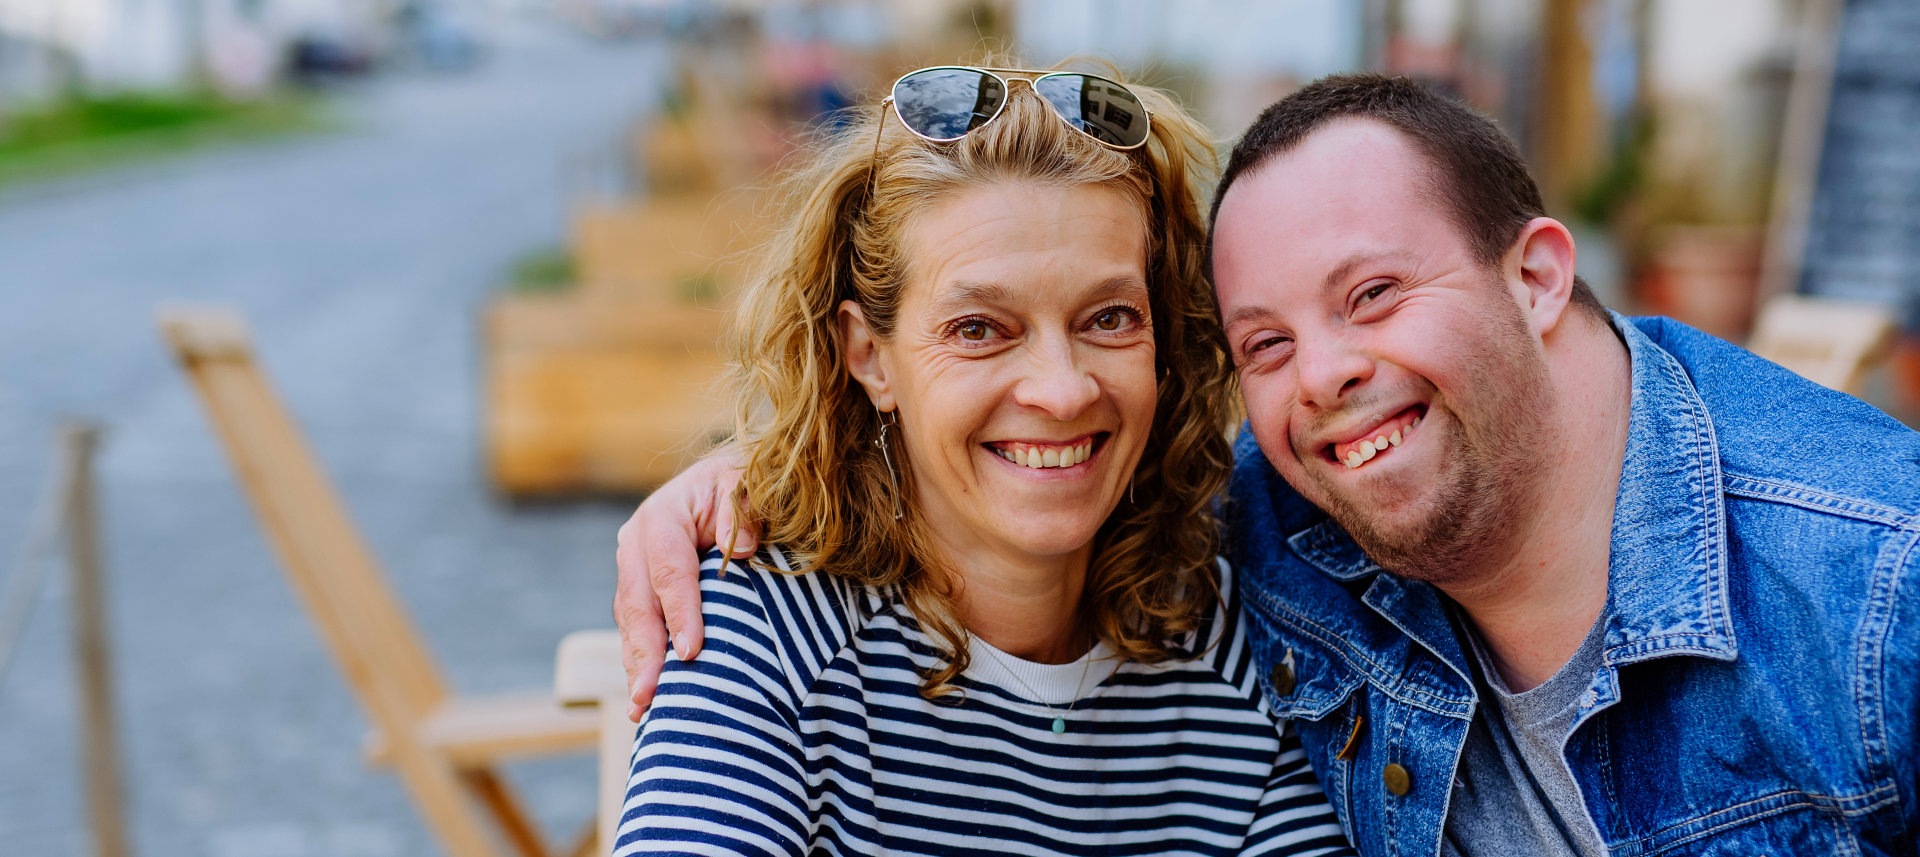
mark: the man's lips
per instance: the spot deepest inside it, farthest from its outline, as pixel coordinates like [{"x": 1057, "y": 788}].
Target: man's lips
[{"x": 1363, "y": 446}]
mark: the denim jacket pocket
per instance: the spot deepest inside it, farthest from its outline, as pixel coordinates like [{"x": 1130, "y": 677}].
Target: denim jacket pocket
[{"x": 1306, "y": 679}]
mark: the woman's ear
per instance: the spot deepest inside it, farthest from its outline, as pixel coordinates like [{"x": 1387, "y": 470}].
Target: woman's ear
[{"x": 866, "y": 359}]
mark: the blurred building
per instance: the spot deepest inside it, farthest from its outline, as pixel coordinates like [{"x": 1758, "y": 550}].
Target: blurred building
[{"x": 50, "y": 47}]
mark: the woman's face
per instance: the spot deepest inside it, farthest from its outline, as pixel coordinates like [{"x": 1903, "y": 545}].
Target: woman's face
[{"x": 1022, "y": 364}]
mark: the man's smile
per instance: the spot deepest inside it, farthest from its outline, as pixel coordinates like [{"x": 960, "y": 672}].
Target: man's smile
[{"x": 1364, "y": 445}]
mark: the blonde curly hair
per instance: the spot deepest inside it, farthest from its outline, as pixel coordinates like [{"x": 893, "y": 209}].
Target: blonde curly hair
[{"x": 805, "y": 426}]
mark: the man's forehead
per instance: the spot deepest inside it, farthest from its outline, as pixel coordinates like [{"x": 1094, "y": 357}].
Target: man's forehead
[
  {"x": 1334, "y": 164},
  {"x": 1354, "y": 194}
]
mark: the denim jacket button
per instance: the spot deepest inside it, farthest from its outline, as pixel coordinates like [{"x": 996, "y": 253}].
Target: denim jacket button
[
  {"x": 1398, "y": 781},
  {"x": 1283, "y": 678}
]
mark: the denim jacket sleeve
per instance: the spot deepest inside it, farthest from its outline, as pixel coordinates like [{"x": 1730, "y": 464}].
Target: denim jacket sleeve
[{"x": 1760, "y": 686}]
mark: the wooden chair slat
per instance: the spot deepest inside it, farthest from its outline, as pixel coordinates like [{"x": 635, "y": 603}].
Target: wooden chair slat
[{"x": 443, "y": 747}]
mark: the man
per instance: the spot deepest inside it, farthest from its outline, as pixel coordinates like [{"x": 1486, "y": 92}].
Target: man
[{"x": 1531, "y": 578}]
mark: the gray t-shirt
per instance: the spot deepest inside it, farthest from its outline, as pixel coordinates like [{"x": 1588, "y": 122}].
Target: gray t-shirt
[{"x": 1514, "y": 793}]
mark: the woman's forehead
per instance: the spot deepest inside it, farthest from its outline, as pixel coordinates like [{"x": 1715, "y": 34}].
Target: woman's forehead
[{"x": 1001, "y": 240}]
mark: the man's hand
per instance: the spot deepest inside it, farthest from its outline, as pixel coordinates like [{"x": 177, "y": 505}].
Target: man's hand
[{"x": 659, "y": 557}]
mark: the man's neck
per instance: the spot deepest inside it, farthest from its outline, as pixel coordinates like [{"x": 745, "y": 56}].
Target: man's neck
[{"x": 1535, "y": 606}]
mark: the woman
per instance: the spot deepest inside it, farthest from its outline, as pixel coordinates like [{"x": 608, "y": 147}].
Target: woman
[{"x": 981, "y": 402}]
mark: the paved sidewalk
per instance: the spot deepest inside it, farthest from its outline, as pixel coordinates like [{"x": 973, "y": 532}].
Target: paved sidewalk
[{"x": 361, "y": 258}]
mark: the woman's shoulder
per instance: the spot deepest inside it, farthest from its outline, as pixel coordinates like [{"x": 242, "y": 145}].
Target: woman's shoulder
[
  {"x": 791, "y": 618},
  {"x": 1219, "y": 644}
]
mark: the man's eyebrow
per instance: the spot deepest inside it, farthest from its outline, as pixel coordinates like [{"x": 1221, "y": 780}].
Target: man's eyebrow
[
  {"x": 1246, "y": 313},
  {"x": 1344, "y": 271},
  {"x": 1335, "y": 278}
]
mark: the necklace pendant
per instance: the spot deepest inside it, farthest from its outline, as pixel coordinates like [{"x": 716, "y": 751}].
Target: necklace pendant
[{"x": 1059, "y": 725}]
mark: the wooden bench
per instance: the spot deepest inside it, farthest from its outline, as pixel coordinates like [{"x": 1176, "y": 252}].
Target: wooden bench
[{"x": 1830, "y": 342}]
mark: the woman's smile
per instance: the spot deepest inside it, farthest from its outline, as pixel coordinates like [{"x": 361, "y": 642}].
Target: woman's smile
[{"x": 1049, "y": 455}]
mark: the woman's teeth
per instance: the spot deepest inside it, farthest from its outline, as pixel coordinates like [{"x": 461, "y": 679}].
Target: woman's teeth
[{"x": 1046, "y": 456}]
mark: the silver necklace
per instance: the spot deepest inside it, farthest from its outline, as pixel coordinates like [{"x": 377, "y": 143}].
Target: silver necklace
[{"x": 1059, "y": 717}]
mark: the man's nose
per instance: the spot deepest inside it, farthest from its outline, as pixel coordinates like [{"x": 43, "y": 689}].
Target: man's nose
[
  {"x": 1057, "y": 383},
  {"x": 1329, "y": 368}
]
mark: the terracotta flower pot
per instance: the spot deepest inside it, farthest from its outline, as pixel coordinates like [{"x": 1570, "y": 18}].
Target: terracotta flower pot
[{"x": 1705, "y": 276}]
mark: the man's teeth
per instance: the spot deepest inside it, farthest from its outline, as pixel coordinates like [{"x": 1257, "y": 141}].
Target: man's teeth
[
  {"x": 1367, "y": 449},
  {"x": 1052, "y": 456}
]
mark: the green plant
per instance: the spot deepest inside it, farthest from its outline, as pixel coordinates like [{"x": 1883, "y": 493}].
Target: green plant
[{"x": 547, "y": 270}]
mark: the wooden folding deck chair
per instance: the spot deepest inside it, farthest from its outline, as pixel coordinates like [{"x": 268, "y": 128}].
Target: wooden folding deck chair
[
  {"x": 1829, "y": 342},
  {"x": 587, "y": 674},
  {"x": 444, "y": 747}
]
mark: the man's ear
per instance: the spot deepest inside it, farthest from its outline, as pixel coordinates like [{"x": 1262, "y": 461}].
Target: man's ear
[
  {"x": 1542, "y": 258},
  {"x": 866, "y": 360}
]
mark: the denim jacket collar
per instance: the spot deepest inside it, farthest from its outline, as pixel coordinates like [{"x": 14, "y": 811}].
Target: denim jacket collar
[{"x": 1669, "y": 508}]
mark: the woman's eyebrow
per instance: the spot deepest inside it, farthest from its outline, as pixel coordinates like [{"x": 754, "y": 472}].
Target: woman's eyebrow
[
  {"x": 1117, "y": 286},
  {"x": 966, "y": 293}
]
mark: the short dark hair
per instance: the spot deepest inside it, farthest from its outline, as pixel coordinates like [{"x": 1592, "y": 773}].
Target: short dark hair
[{"x": 1476, "y": 170}]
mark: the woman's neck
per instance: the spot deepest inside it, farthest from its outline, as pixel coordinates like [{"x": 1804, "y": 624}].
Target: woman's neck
[{"x": 1026, "y": 606}]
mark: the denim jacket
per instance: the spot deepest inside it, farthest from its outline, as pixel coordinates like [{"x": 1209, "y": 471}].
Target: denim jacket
[{"x": 1762, "y": 646}]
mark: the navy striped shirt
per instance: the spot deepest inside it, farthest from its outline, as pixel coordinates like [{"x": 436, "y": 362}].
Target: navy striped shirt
[{"x": 800, "y": 729}]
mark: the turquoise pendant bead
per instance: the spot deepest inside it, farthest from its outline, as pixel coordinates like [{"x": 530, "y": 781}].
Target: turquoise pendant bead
[{"x": 1059, "y": 725}]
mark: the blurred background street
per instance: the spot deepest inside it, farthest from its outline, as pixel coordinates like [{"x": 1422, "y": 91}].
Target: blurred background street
[
  {"x": 361, "y": 256},
  {"x": 485, "y": 248}
]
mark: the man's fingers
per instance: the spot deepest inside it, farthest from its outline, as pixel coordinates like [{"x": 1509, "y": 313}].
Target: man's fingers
[
  {"x": 739, "y": 534},
  {"x": 643, "y": 662},
  {"x": 643, "y": 634},
  {"x": 643, "y": 639},
  {"x": 673, "y": 569},
  {"x": 740, "y": 538}
]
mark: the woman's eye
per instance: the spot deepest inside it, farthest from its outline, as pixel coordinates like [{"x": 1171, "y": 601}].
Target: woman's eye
[
  {"x": 1117, "y": 318},
  {"x": 973, "y": 331}
]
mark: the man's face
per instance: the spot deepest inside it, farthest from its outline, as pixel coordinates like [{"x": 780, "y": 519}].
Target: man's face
[{"x": 1390, "y": 377}]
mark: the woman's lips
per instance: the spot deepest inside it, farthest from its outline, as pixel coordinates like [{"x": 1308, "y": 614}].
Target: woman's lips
[{"x": 1045, "y": 455}]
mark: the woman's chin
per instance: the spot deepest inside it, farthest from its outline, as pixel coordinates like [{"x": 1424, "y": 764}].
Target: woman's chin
[{"x": 1046, "y": 533}]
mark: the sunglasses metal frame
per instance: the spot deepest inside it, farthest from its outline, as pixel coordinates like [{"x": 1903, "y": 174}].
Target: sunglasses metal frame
[{"x": 1031, "y": 76}]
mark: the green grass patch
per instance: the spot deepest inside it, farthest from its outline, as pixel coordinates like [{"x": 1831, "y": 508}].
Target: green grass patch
[
  {"x": 543, "y": 271},
  {"x": 84, "y": 133}
]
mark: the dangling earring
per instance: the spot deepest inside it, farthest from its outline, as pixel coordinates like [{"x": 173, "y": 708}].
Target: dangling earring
[
  {"x": 1130, "y": 500},
  {"x": 890, "y": 420}
]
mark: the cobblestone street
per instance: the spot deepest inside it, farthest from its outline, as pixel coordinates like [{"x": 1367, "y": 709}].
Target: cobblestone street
[{"x": 361, "y": 257}]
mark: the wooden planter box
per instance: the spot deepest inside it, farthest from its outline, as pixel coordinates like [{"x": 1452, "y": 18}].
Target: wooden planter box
[
  {"x": 670, "y": 249},
  {"x": 599, "y": 394}
]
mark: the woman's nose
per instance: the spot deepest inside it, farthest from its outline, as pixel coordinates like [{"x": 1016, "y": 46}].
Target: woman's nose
[
  {"x": 1057, "y": 383},
  {"x": 1328, "y": 369}
]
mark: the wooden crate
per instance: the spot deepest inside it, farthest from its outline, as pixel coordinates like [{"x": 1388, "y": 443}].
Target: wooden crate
[
  {"x": 672, "y": 249},
  {"x": 596, "y": 394}
]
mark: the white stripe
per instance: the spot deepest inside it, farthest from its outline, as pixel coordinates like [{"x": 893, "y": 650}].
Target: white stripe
[{"x": 1196, "y": 723}]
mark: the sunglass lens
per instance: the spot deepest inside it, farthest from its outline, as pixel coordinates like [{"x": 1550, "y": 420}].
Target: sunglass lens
[
  {"x": 1098, "y": 106},
  {"x": 946, "y": 103}
]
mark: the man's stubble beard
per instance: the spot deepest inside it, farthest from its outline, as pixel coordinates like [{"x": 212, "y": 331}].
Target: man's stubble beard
[{"x": 1492, "y": 476}]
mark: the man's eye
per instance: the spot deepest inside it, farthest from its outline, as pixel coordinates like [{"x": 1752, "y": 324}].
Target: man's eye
[
  {"x": 1264, "y": 343},
  {"x": 1367, "y": 296}
]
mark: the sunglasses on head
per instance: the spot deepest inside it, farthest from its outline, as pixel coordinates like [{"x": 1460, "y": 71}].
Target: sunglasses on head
[{"x": 944, "y": 103}]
